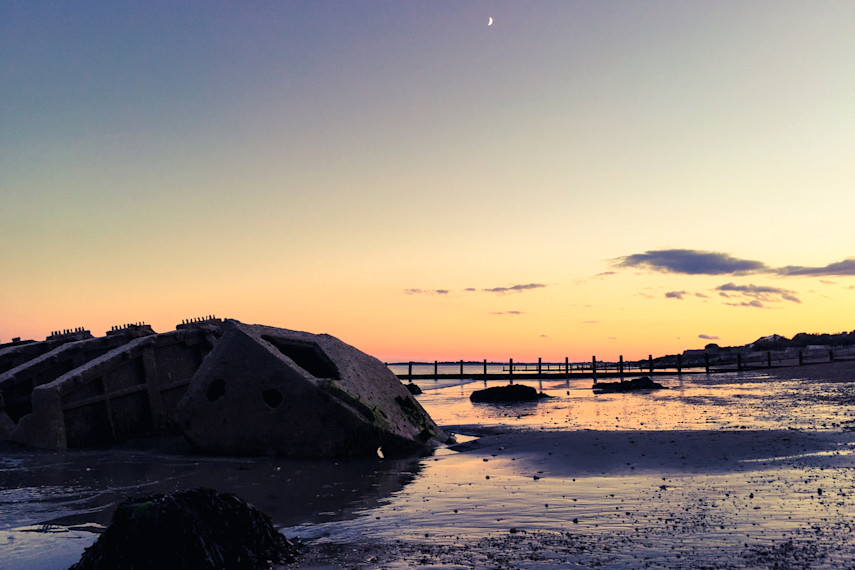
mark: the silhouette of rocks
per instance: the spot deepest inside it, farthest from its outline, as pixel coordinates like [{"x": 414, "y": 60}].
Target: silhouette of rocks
[
  {"x": 265, "y": 390},
  {"x": 509, "y": 393},
  {"x": 196, "y": 528},
  {"x": 643, "y": 383},
  {"x": 414, "y": 389}
]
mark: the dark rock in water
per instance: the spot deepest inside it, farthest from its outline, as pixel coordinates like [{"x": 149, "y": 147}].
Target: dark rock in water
[
  {"x": 196, "y": 528},
  {"x": 509, "y": 393},
  {"x": 265, "y": 390},
  {"x": 414, "y": 390},
  {"x": 643, "y": 383}
]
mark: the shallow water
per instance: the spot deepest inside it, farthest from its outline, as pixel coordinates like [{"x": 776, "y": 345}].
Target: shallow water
[{"x": 720, "y": 463}]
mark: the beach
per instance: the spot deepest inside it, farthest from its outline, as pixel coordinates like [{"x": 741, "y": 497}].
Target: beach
[{"x": 737, "y": 470}]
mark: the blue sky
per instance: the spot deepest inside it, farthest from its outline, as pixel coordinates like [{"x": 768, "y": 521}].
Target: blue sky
[{"x": 312, "y": 165}]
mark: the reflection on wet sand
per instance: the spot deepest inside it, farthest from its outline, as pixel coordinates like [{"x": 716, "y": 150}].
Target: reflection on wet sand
[{"x": 49, "y": 493}]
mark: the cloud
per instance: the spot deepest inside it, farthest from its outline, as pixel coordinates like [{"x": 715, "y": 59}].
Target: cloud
[
  {"x": 758, "y": 293},
  {"x": 845, "y": 267},
  {"x": 675, "y": 294},
  {"x": 755, "y": 304},
  {"x": 427, "y": 291},
  {"x": 514, "y": 288},
  {"x": 691, "y": 262},
  {"x": 707, "y": 337},
  {"x": 470, "y": 289},
  {"x": 508, "y": 313},
  {"x": 590, "y": 322},
  {"x": 697, "y": 262}
]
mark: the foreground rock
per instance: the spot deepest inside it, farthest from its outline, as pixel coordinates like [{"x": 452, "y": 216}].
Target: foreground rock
[
  {"x": 509, "y": 393},
  {"x": 643, "y": 383},
  {"x": 265, "y": 390},
  {"x": 197, "y": 528}
]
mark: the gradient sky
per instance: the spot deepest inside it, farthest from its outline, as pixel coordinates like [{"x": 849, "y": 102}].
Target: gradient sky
[{"x": 577, "y": 179}]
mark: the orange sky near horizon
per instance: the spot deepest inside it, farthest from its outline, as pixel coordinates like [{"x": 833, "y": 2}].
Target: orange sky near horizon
[{"x": 577, "y": 179}]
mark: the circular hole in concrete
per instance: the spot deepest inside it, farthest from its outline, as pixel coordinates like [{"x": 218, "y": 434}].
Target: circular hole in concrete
[
  {"x": 272, "y": 397},
  {"x": 216, "y": 390}
]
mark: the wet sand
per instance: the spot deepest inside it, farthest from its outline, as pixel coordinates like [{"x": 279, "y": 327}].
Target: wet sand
[
  {"x": 743, "y": 471},
  {"x": 750, "y": 470}
]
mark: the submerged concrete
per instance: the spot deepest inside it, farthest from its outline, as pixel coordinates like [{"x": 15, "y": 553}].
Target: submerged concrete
[
  {"x": 229, "y": 388},
  {"x": 266, "y": 390}
]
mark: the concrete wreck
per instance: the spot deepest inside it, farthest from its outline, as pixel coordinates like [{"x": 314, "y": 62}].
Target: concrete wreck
[{"x": 227, "y": 387}]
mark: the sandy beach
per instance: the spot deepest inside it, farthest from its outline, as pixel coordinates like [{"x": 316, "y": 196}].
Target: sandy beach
[{"x": 742, "y": 470}]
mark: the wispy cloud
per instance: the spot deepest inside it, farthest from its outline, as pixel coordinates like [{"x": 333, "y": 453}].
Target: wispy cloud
[
  {"x": 498, "y": 290},
  {"x": 698, "y": 262},
  {"x": 507, "y": 313},
  {"x": 757, "y": 294},
  {"x": 427, "y": 291},
  {"x": 676, "y": 294},
  {"x": 514, "y": 288},
  {"x": 845, "y": 267},
  {"x": 707, "y": 337},
  {"x": 691, "y": 262}
]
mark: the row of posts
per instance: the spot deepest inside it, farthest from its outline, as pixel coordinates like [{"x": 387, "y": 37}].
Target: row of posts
[
  {"x": 68, "y": 331},
  {"x": 126, "y": 326},
  {"x": 740, "y": 364},
  {"x": 198, "y": 320}
]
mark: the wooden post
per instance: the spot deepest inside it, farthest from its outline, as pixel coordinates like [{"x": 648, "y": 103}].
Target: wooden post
[
  {"x": 620, "y": 366},
  {"x": 567, "y": 366},
  {"x": 650, "y": 362},
  {"x": 461, "y": 369},
  {"x": 679, "y": 364},
  {"x": 830, "y": 355},
  {"x": 707, "y": 362},
  {"x": 485, "y": 368},
  {"x": 738, "y": 361},
  {"x": 801, "y": 358},
  {"x": 768, "y": 359},
  {"x": 435, "y": 370},
  {"x": 410, "y": 371},
  {"x": 539, "y": 366},
  {"x": 594, "y": 366},
  {"x": 511, "y": 370}
]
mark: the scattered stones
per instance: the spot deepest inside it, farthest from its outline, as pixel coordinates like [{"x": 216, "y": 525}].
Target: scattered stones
[
  {"x": 643, "y": 383},
  {"x": 509, "y": 393},
  {"x": 413, "y": 388}
]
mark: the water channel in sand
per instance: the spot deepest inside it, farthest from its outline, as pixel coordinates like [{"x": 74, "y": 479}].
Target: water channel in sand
[{"x": 727, "y": 462}]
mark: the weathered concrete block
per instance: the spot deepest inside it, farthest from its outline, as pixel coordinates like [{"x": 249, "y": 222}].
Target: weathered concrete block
[{"x": 265, "y": 390}]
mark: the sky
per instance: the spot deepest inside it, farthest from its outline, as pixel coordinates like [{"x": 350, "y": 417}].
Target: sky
[{"x": 576, "y": 179}]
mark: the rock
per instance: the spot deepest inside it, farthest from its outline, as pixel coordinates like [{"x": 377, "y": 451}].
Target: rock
[
  {"x": 643, "y": 383},
  {"x": 509, "y": 393},
  {"x": 196, "y": 528},
  {"x": 414, "y": 390},
  {"x": 265, "y": 390}
]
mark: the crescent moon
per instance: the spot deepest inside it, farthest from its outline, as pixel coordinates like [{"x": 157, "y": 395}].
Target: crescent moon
[{"x": 490, "y": 21}]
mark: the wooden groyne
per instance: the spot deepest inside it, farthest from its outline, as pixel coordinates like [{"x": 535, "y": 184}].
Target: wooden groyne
[{"x": 735, "y": 361}]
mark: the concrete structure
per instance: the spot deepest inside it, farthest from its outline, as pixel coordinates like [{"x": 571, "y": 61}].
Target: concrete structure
[
  {"x": 228, "y": 387},
  {"x": 266, "y": 390},
  {"x": 102, "y": 390}
]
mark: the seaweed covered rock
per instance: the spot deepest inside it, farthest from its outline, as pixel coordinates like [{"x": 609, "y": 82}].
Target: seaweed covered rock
[
  {"x": 195, "y": 528},
  {"x": 265, "y": 390},
  {"x": 643, "y": 383},
  {"x": 509, "y": 393}
]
